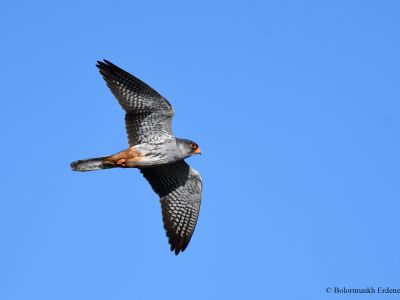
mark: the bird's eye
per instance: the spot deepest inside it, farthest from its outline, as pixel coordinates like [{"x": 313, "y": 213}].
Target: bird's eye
[{"x": 194, "y": 146}]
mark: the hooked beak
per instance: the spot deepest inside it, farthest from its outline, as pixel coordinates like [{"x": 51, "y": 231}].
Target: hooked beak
[{"x": 197, "y": 151}]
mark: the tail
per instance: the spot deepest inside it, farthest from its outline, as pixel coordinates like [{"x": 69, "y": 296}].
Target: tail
[{"x": 92, "y": 164}]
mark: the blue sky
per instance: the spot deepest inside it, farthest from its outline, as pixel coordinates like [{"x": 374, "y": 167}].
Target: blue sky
[{"x": 295, "y": 105}]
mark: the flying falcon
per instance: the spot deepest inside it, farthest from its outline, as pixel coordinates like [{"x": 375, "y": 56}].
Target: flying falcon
[{"x": 155, "y": 152}]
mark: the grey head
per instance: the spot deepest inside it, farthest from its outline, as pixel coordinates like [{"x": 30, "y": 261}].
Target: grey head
[{"x": 187, "y": 147}]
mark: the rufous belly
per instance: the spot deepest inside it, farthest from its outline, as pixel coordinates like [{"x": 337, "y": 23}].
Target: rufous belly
[{"x": 125, "y": 159}]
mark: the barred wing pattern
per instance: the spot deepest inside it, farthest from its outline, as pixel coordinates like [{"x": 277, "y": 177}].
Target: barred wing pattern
[
  {"x": 148, "y": 114},
  {"x": 179, "y": 187},
  {"x": 148, "y": 118}
]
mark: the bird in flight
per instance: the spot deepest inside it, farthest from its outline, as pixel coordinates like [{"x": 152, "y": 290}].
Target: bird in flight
[{"x": 155, "y": 151}]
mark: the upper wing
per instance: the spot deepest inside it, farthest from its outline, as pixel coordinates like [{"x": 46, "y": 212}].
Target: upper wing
[
  {"x": 148, "y": 114},
  {"x": 179, "y": 187}
]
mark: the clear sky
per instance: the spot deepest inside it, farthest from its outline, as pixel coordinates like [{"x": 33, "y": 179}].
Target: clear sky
[{"x": 295, "y": 105}]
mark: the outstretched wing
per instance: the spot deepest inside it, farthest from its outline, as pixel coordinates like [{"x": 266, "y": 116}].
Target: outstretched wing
[
  {"x": 148, "y": 114},
  {"x": 179, "y": 187}
]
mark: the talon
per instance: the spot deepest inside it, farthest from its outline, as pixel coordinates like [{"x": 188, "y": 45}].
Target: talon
[{"x": 121, "y": 162}]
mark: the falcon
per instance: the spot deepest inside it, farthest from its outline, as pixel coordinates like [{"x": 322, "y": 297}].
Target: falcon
[{"x": 155, "y": 151}]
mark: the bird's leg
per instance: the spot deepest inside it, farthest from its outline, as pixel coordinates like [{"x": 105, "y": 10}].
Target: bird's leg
[{"x": 121, "y": 162}]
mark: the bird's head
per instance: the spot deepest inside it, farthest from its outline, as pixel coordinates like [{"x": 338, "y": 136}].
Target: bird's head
[{"x": 189, "y": 148}]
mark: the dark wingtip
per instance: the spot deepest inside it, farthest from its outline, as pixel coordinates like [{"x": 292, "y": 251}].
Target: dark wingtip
[
  {"x": 176, "y": 250},
  {"x": 105, "y": 64},
  {"x": 108, "y": 69},
  {"x": 178, "y": 245},
  {"x": 100, "y": 64}
]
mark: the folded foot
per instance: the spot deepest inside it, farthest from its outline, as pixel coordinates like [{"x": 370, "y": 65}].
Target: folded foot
[{"x": 121, "y": 162}]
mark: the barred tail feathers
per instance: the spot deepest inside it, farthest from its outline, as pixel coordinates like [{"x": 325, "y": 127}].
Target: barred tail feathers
[{"x": 92, "y": 164}]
